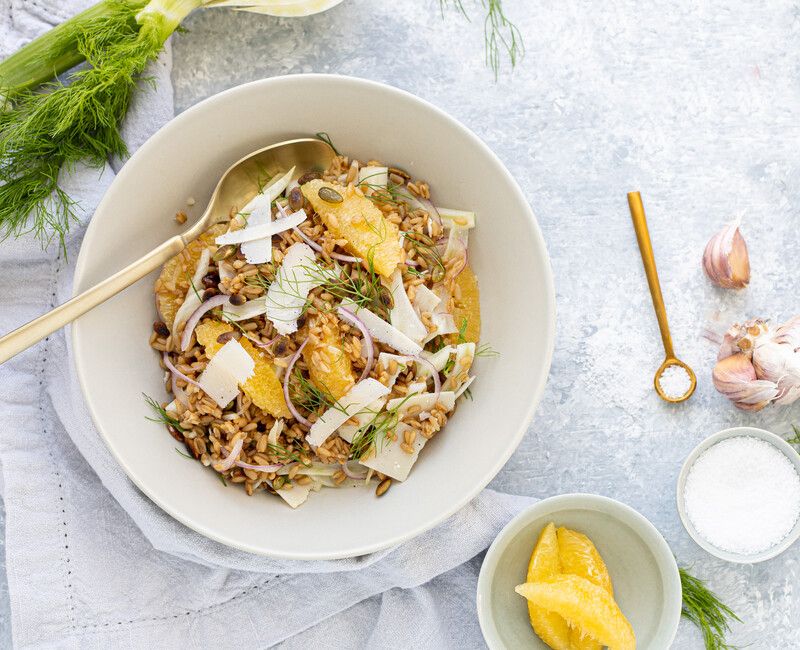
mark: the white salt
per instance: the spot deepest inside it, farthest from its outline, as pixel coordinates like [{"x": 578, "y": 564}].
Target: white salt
[
  {"x": 743, "y": 495},
  {"x": 675, "y": 381}
]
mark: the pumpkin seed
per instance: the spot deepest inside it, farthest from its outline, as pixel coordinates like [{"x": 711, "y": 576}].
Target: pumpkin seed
[{"x": 330, "y": 195}]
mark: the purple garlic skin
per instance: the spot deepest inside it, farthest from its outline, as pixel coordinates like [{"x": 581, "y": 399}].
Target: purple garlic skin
[
  {"x": 756, "y": 367},
  {"x": 725, "y": 259}
]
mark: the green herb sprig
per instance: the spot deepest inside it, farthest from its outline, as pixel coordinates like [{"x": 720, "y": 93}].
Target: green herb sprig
[
  {"x": 795, "y": 440},
  {"x": 501, "y": 36},
  {"x": 374, "y": 432},
  {"x": 161, "y": 414},
  {"x": 703, "y": 607}
]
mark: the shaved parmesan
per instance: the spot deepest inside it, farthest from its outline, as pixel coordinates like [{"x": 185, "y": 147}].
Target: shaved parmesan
[
  {"x": 192, "y": 300},
  {"x": 228, "y": 368},
  {"x": 384, "y": 361},
  {"x": 402, "y": 314},
  {"x": 258, "y": 213},
  {"x": 258, "y": 251},
  {"x": 348, "y": 431},
  {"x": 390, "y": 459},
  {"x": 262, "y": 231},
  {"x": 383, "y": 331},
  {"x": 296, "y": 495},
  {"x": 287, "y": 294},
  {"x": 355, "y": 400},
  {"x": 425, "y": 401}
]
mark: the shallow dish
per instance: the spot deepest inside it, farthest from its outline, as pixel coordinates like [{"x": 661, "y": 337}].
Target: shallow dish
[
  {"x": 784, "y": 447},
  {"x": 185, "y": 159},
  {"x": 647, "y": 585}
]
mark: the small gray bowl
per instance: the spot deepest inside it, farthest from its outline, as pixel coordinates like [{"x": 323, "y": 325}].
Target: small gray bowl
[
  {"x": 780, "y": 444},
  {"x": 647, "y": 585}
]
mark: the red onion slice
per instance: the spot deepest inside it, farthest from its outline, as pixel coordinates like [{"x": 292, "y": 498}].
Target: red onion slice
[
  {"x": 286, "y": 377},
  {"x": 437, "y": 382},
  {"x": 243, "y": 465},
  {"x": 194, "y": 319},
  {"x": 351, "y": 318},
  {"x": 233, "y": 456},
  {"x": 177, "y": 373}
]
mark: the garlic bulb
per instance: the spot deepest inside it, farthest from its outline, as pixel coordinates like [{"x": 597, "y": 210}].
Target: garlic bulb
[
  {"x": 756, "y": 366},
  {"x": 725, "y": 259}
]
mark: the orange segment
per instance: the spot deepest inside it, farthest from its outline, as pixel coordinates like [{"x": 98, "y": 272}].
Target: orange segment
[
  {"x": 174, "y": 280},
  {"x": 207, "y": 333},
  {"x": 467, "y": 307},
  {"x": 544, "y": 564},
  {"x": 328, "y": 364},
  {"x": 579, "y": 557},
  {"x": 264, "y": 387},
  {"x": 356, "y": 219},
  {"x": 584, "y": 605}
]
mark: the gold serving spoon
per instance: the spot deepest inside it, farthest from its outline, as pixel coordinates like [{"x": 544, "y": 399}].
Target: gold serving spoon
[
  {"x": 237, "y": 186},
  {"x": 646, "y": 249}
]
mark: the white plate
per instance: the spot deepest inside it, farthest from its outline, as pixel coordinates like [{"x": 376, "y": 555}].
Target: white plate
[
  {"x": 647, "y": 585},
  {"x": 365, "y": 119}
]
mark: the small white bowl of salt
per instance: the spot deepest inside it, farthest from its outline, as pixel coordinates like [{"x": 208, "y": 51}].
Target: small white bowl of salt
[{"x": 739, "y": 495}]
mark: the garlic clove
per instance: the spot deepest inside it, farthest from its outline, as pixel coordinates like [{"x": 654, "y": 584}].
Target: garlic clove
[
  {"x": 735, "y": 377},
  {"x": 725, "y": 259}
]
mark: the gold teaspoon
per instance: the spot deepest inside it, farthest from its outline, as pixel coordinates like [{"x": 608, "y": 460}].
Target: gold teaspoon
[{"x": 646, "y": 249}]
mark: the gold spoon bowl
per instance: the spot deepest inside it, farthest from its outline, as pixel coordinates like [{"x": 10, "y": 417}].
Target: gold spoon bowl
[{"x": 236, "y": 186}]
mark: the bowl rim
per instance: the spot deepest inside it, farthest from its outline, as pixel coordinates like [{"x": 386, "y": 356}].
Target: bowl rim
[
  {"x": 726, "y": 434},
  {"x": 655, "y": 541},
  {"x": 160, "y": 138}
]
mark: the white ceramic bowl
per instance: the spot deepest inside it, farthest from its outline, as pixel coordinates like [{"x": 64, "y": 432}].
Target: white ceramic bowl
[
  {"x": 647, "y": 585},
  {"x": 779, "y": 443},
  {"x": 367, "y": 120}
]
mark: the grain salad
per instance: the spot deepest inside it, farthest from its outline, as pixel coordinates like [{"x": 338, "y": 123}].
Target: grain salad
[{"x": 322, "y": 334}]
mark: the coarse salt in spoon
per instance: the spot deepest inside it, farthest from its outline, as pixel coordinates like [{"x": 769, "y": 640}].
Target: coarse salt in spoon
[{"x": 674, "y": 381}]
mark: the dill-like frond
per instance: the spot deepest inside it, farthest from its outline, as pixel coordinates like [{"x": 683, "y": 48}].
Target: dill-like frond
[
  {"x": 48, "y": 130},
  {"x": 703, "y": 607},
  {"x": 499, "y": 33},
  {"x": 327, "y": 140},
  {"x": 427, "y": 249},
  {"x": 161, "y": 414},
  {"x": 373, "y": 433}
]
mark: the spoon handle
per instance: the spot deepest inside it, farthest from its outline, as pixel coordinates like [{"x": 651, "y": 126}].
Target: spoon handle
[
  {"x": 25, "y": 336},
  {"x": 646, "y": 249}
]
